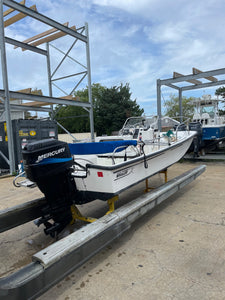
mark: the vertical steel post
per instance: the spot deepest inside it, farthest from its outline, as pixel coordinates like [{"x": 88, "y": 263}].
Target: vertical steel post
[
  {"x": 180, "y": 105},
  {"x": 159, "y": 109},
  {"x": 91, "y": 115},
  {"x": 6, "y": 89},
  {"x": 49, "y": 76}
]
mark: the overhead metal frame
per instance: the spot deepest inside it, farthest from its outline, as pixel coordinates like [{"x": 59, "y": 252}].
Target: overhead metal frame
[
  {"x": 179, "y": 78},
  {"x": 5, "y": 94}
]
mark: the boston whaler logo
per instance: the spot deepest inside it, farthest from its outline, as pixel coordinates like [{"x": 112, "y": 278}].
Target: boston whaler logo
[
  {"x": 123, "y": 173},
  {"x": 50, "y": 154}
]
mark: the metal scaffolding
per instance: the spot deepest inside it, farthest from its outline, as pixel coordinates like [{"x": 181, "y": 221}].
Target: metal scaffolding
[
  {"x": 38, "y": 101},
  {"x": 195, "y": 84}
]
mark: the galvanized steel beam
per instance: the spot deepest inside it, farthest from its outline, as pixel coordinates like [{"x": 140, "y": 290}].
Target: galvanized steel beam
[
  {"x": 194, "y": 81},
  {"x": 67, "y": 55},
  {"x": 190, "y": 78},
  {"x": 82, "y": 78},
  {"x": 180, "y": 106},
  {"x": 5, "y": 159},
  {"x": 210, "y": 78},
  {"x": 26, "y": 108},
  {"x": 195, "y": 76},
  {"x": 91, "y": 114},
  {"x": 172, "y": 86},
  {"x": 44, "y": 19},
  {"x": 49, "y": 76},
  {"x": 5, "y": 93},
  {"x": 70, "y": 134},
  {"x": 46, "y": 99},
  {"x": 203, "y": 85},
  {"x": 26, "y": 46},
  {"x": 53, "y": 263},
  {"x": 159, "y": 108},
  {"x": 68, "y": 76}
]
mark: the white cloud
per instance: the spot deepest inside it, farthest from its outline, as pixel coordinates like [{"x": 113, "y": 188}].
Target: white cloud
[
  {"x": 132, "y": 6},
  {"x": 130, "y": 31},
  {"x": 130, "y": 41}
]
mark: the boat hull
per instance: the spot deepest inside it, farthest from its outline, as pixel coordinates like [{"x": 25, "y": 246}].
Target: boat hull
[
  {"x": 102, "y": 182},
  {"x": 213, "y": 133}
]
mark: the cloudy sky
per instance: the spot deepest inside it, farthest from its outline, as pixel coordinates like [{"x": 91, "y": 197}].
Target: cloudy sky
[{"x": 135, "y": 42}]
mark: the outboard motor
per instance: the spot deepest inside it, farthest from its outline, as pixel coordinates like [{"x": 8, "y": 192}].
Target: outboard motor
[
  {"x": 48, "y": 163},
  {"x": 197, "y": 142},
  {"x": 181, "y": 127}
]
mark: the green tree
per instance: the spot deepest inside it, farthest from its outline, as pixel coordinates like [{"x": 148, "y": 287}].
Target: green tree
[
  {"x": 111, "y": 106},
  {"x": 172, "y": 107},
  {"x": 96, "y": 90},
  {"x": 74, "y": 118},
  {"x": 220, "y": 92}
]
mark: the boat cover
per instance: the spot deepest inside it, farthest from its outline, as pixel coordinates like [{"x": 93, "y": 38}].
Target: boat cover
[{"x": 100, "y": 147}]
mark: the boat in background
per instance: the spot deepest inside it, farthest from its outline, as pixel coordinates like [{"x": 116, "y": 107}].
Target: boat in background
[
  {"x": 140, "y": 128},
  {"x": 208, "y": 123}
]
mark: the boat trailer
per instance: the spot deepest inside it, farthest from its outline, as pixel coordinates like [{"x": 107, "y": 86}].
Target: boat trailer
[{"x": 53, "y": 263}]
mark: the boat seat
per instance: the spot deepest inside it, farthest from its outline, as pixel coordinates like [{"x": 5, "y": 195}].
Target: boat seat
[
  {"x": 196, "y": 117},
  {"x": 100, "y": 147},
  {"x": 205, "y": 116},
  {"x": 84, "y": 159},
  {"x": 135, "y": 136}
]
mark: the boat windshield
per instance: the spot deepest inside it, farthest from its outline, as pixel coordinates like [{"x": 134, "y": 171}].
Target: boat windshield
[
  {"x": 210, "y": 109},
  {"x": 134, "y": 121},
  {"x": 138, "y": 122}
]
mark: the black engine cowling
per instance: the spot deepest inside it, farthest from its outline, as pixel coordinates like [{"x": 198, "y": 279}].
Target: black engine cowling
[{"x": 48, "y": 163}]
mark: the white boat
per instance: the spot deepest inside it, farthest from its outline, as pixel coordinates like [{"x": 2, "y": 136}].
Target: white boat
[
  {"x": 101, "y": 176},
  {"x": 99, "y": 170},
  {"x": 207, "y": 121},
  {"x": 138, "y": 127}
]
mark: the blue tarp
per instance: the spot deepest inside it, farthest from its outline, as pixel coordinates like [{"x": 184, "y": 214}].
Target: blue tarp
[{"x": 99, "y": 147}]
